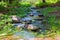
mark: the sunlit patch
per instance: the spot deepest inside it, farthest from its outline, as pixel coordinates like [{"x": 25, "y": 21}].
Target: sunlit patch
[
  {"x": 3, "y": 34},
  {"x": 51, "y": 1}
]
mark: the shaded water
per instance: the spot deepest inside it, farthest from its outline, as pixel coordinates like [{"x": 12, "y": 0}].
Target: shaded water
[{"x": 25, "y": 34}]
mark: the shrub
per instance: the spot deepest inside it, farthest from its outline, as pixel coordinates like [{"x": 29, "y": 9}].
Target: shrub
[
  {"x": 47, "y": 3},
  {"x": 38, "y": 3},
  {"x": 41, "y": 4},
  {"x": 27, "y": 4},
  {"x": 4, "y": 4},
  {"x": 51, "y": 1}
]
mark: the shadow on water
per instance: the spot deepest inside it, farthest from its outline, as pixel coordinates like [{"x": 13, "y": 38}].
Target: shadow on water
[{"x": 25, "y": 34}]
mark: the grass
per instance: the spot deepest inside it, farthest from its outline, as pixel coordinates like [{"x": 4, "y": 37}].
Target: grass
[{"x": 49, "y": 9}]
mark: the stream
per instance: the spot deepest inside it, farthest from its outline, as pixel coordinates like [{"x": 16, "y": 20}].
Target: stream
[{"x": 33, "y": 16}]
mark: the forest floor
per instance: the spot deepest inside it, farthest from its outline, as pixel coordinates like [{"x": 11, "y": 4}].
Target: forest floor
[{"x": 57, "y": 37}]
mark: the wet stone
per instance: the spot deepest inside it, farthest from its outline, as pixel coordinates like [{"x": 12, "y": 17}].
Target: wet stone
[
  {"x": 15, "y": 19},
  {"x": 34, "y": 26},
  {"x": 40, "y": 15},
  {"x": 31, "y": 14},
  {"x": 39, "y": 19}
]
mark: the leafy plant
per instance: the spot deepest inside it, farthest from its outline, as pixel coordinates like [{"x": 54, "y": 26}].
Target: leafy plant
[
  {"x": 25, "y": 4},
  {"x": 3, "y": 4},
  {"x": 21, "y": 11},
  {"x": 51, "y": 1}
]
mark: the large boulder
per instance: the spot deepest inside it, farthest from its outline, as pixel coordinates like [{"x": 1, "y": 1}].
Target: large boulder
[
  {"x": 15, "y": 19},
  {"x": 34, "y": 26}
]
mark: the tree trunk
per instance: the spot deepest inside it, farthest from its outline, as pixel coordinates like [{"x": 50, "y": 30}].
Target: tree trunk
[
  {"x": 10, "y": 1},
  {"x": 43, "y": 1},
  {"x": 0, "y": 0}
]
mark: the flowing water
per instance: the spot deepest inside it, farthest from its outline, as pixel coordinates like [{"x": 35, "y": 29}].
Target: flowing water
[{"x": 29, "y": 34}]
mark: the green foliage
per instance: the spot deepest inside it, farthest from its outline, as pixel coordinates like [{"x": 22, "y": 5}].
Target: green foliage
[
  {"x": 25, "y": 4},
  {"x": 14, "y": 3},
  {"x": 54, "y": 25},
  {"x": 4, "y": 4},
  {"x": 51, "y": 19},
  {"x": 47, "y": 3},
  {"x": 49, "y": 9},
  {"x": 39, "y": 4},
  {"x": 19, "y": 11},
  {"x": 8, "y": 28},
  {"x": 51, "y": 1}
]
